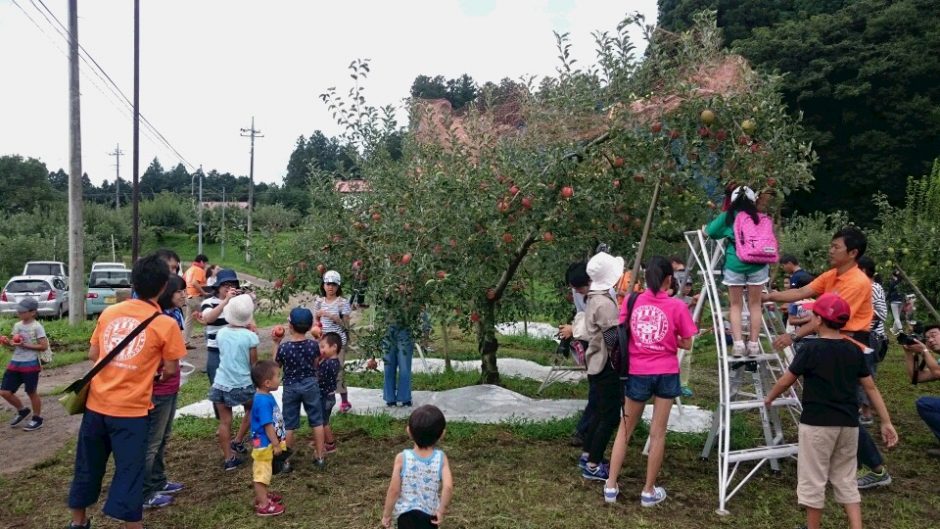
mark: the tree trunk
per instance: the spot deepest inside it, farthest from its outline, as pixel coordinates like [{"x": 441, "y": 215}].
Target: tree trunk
[
  {"x": 445, "y": 330},
  {"x": 487, "y": 345}
]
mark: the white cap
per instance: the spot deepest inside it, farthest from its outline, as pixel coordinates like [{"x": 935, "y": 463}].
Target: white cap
[
  {"x": 239, "y": 310},
  {"x": 748, "y": 192},
  {"x": 605, "y": 271},
  {"x": 332, "y": 276}
]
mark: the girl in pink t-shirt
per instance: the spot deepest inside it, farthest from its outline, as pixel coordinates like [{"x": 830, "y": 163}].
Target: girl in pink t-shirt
[{"x": 659, "y": 326}]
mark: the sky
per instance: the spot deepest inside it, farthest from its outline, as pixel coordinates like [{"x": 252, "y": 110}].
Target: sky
[{"x": 209, "y": 66}]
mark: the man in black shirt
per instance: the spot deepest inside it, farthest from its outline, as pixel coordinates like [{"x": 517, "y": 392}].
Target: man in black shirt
[
  {"x": 799, "y": 278},
  {"x": 831, "y": 366}
]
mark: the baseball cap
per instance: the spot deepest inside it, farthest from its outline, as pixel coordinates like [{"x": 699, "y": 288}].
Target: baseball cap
[
  {"x": 831, "y": 307},
  {"x": 301, "y": 316},
  {"x": 27, "y": 304},
  {"x": 226, "y": 275},
  {"x": 332, "y": 276}
]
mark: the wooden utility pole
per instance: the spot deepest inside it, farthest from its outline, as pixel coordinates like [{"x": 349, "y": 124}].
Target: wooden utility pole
[
  {"x": 135, "y": 195},
  {"x": 200, "y": 208},
  {"x": 117, "y": 179},
  {"x": 222, "y": 250},
  {"x": 76, "y": 224},
  {"x": 250, "y": 133}
]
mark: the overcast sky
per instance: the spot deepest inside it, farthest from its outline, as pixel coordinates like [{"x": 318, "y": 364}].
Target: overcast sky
[{"x": 208, "y": 66}]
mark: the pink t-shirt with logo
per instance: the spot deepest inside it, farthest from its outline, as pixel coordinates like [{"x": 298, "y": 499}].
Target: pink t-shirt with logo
[{"x": 657, "y": 323}]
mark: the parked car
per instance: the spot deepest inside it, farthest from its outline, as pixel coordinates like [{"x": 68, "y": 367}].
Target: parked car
[
  {"x": 50, "y": 291},
  {"x": 108, "y": 266},
  {"x": 46, "y": 268},
  {"x": 105, "y": 288}
]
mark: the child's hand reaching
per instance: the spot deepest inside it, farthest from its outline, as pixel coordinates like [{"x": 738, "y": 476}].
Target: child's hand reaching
[{"x": 386, "y": 521}]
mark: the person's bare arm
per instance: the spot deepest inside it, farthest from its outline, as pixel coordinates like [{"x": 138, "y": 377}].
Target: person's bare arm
[
  {"x": 394, "y": 490},
  {"x": 209, "y": 316},
  {"x": 272, "y": 438},
  {"x": 888, "y": 434},
  {"x": 931, "y": 370},
  {"x": 93, "y": 353},
  {"x": 782, "y": 385},
  {"x": 685, "y": 343},
  {"x": 170, "y": 368},
  {"x": 253, "y": 355},
  {"x": 38, "y": 346},
  {"x": 789, "y": 296},
  {"x": 447, "y": 491}
]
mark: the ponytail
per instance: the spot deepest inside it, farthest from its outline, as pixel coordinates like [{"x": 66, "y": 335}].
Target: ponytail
[{"x": 658, "y": 268}]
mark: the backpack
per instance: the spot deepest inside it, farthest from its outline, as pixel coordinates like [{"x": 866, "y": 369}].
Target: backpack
[
  {"x": 620, "y": 355},
  {"x": 755, "y": 243}
]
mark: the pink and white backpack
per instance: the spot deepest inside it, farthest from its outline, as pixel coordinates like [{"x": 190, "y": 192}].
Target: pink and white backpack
[{"x": 755, "y": 243}]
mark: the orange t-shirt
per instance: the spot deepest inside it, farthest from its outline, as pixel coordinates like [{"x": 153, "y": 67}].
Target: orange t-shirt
[
  {"x": 855, "y": 288},
  {"x": 623, "y": 284},
  {"x": 123, "y": 388},
  {"x": 194, "y": 275}
]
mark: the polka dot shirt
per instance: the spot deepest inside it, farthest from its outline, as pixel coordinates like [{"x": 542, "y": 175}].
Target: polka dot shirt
[{"x": 298, "y": 360}]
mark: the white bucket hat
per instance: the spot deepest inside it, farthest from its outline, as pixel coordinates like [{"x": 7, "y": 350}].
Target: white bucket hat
[
  {"x": 604, "y": 270},
  {"x": 332, "y": 276},
  {"x": 748, "y": 192},
  {"x": 239, "y": 310}
]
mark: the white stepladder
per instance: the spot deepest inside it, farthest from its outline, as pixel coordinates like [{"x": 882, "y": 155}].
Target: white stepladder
[{"x": 742, "y": 386}]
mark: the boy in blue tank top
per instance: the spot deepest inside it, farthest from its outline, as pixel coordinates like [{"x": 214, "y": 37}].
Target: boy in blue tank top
[{"x": 421, "y": 485}]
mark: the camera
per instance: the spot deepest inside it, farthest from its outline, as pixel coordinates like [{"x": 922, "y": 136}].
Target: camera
[{"x": 908, "y": 339}]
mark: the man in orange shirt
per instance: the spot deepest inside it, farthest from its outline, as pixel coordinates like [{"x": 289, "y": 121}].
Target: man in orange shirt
[
  {"x": 119, "y": 399},
  {"x": 195, "y": 278}
]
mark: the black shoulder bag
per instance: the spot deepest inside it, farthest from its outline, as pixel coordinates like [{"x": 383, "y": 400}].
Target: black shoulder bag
[
  {"x": 74, "y": 396},
  {"x": 621, "y": 357}
]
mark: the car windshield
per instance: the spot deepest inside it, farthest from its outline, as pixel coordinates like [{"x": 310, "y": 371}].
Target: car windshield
[
  {"x": 28, "y": 286},
  {"x": 43, "y": 269},
  {"x": 110, "y": 278}
]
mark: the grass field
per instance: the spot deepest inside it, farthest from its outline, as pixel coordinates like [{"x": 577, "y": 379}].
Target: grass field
[{"x": 506, "y": 476}]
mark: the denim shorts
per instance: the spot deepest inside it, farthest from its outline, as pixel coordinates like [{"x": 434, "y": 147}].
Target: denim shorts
[
  {"x": 304, "y": 392},
  {"x": 231, "y": 397},
  {"x": 640, "y": 388},
  {"x": 12, "y": 380},
  {"x": 736, "y": 279},
  {"x": 328, "y": 404}
]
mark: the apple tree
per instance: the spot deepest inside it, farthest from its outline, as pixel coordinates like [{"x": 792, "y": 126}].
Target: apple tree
[{"x": 514, "y": 189}]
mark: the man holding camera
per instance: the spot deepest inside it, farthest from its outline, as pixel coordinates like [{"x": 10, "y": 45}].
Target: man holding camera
[{"x": 923, "y": 367}]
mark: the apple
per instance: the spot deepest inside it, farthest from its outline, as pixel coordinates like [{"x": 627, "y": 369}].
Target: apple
[
  {"x": 514, "y": 190},
  {"x": 567, "y": 192},
  {"x": 357, "y": 264},
  {"x": 755, "y": 147},
  {"x": 316, "y": 331},
  {"x": 721, "y": 135},
  {"x": 748, "y": 126},
  {"x": 278, "y": 331},
  {"x": 502, "y": 206},
  {"x": 407, "y": 226},
  {"x": 656, "y": 128},
  {"x": 674, "y": 134},
  {"x": 548, "y": 236},
  {"x": 453, "y": 243},
  {"x": 291, "y": 278},
  {"x": 527, "y": 202},
  {"x": 441, "y": 274},
  {"x": 4, "y": 340},
  {"x": 618, "y": 162},
  {"x": 321, "y": 269},
  {"x": 490, "y": 294},
  {"x": 278, "y": 284},
  {"x": 507, "y": 238},
  {"x": 639, "y": 178},
  {"x": 405, "y": 259},
  {"x": 18, "y": 339},
  {"x": 372, "y": 364},
  {"x": 616, "y": 184},
  {"x": 905, "y": 250},
  {"x": 744, "y": 139},
  {"x": 704, "y": 132},
  {"x": 302, "y": 265},
  {"x": 376, "y": 216},
  {"x": 707, "y": 116},
  {"x": 474, "y": 317}
]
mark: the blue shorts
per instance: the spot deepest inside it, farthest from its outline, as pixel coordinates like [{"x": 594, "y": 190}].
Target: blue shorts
[
  {"x": 328, "y": 404},
  {"x": 231, "y": 397},
  {"x": 99, "y": 437},
  {"x": 736, "y": 279},
  {"x": 640, "y": 388},
  {"x": 307, "y": 393},
  {"x": 12, "y": 380}
]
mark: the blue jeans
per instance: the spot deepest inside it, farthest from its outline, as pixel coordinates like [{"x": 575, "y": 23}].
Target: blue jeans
[
  {"x": 868, "y": 454},
  {"x": 929, "y": 410},
  {"x": 98, "y": 437},
  {"x": 161, "y": 423},
  {"x": 399, "y": 349}
]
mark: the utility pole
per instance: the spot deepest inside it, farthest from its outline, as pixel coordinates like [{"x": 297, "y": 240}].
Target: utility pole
[
  {"x": 117, "y": 179},
  {"x": 250, "y": 133},
  {"x": 76, "y": 225},
  {"x": 135, "y": 211},
  {"x": 201, "y": 178},
  {"x": 222, "y": 252}
]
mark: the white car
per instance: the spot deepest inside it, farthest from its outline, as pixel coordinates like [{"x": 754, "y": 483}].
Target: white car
[
  {"x": 107, "y": 266},
  {"x": 51, "y": 292}
]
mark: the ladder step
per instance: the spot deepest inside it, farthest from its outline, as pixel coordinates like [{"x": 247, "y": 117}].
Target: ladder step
[
  {"x": 755, "y": 358},
  {"x": 764, "y": 452},
  {"x": 736, "y": 405}
]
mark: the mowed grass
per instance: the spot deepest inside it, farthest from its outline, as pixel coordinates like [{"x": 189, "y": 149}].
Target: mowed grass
[{"x": 519, "y": 475}]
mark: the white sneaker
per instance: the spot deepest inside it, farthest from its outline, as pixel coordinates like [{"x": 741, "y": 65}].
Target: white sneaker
[
  {"x": 753, "y": 348},
  {"x": 737, "y": 350},
  {"x": 657, "y": 497}
]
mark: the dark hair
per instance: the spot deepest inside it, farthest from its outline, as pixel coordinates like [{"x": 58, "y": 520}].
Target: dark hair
[
  {"x": 262, "y": 371},
  {"x": 832, "y": 324},
  {"x": 339, "y": 289},
  {"x": 166, "y": 254},
  {"x": 333, "y": 339},
  {"x": 742, "y": 205},
  {"x": 149, "y": 276},
  {"x": 676, "y": 259},
  {"x": 174, "y": 284},
  {"x": 867, "y": 265},
  {"x": 854, "y": 239},
  {"x": 657, "y": 270},
  {"x": 931, "y": 325},
  {"x": 789, "y": 259},
  {"x": 210, "y": 270},
  {"x": 426, "y": 425},
  {"x": 302, "y": 329},
  {"x": 201, "y": 258},
  {"x": 577, "y": 275}
]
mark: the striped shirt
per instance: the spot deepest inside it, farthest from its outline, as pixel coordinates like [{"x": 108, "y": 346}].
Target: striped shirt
[
  {"x": 212, "y": 329},
  {"x": 338, "y": 307},
  {"x": 881, "y": 309}
]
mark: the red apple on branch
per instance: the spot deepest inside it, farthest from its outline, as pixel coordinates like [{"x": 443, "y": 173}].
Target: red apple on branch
[{"x": 567, "y": 192}]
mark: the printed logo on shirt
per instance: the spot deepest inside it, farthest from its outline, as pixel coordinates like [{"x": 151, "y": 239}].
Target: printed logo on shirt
[
  {"x": 116, "y": 331},
  {"x": 649, "y": 324}
]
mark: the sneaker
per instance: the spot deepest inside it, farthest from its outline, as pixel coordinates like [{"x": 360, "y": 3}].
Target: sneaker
[
  {"x": 329, "y": 448},
  {"x": 598, "y": 473},
  {"x": 231, "y": 464},
  {"x": 753, "y": 349},
  {"x": 275, "y": 497},
  {"x": 86, "y": 525},
  {"x": 610, "y": 495},
  {"x": 406, "y": 404},
  {"x": 390, "y": 404},
  {"x": 20, "y": 416},
  {"x": 866, "y": 421},
  {"x": 271, "y": 509},
  {"x": 158, "y": 501},
  {"x": 657, "y": 497},
  {"x": 737, "y": 350},
  {"x": 171, "y": 487},
  {"x": 238, "y": 448},
  {"x": 686, "y": 392},
  {"x": 34, "y": 424},
  {"x": 583, "y": 461},
  {"x": 320, "y": 463},
  {"x": 344, "y": 407},
  {"x": 869, "y": 479}
]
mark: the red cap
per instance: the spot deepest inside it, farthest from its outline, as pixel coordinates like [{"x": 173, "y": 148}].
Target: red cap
[{"x": 831, "y": 307}]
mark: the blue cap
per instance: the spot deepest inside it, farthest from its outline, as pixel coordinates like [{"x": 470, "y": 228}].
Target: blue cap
[
  {"x": 301, "y": 317},
  {"x": 226, "y": 275}
]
